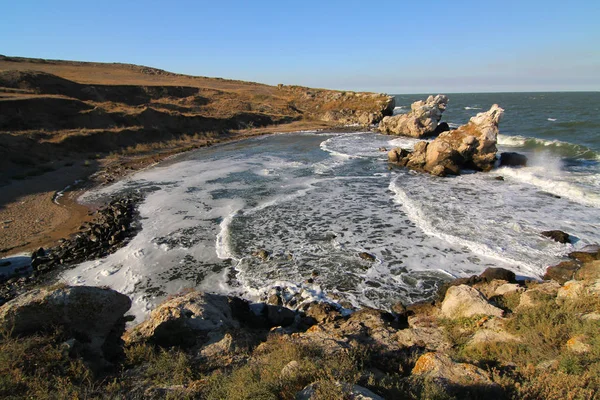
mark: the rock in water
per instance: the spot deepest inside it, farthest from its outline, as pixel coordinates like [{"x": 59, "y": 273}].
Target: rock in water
[
  {"x": 559, "y": 236},
  {"x": 421, "y": 121},
  {"x": 511, "y": 159},
  {"x": 470, "y": 146}
]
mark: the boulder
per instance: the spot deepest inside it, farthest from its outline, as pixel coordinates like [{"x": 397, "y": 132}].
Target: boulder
[
  {"x": 579, "y": 344},
  {"x": 562, "y": 272},
  {"x": 178, "y": 321},
  {"x": 441, "y": 368},
  {"x": 471, "y": 146},
  {"x": 511, "y": 159},
  {"x": 500, "y": 274},
  {"x": 465, "y": 301},
  {"x": 87, "y": 313},
  {"x": 558, "y": 236},
  {"x": 354, "y": 392},
  {"x": 421, "y": 121}
]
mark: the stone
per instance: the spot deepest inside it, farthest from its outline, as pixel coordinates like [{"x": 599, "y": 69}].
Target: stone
[
  {"x": 593, "y": 316},
  {"x": 262, "y": 254},
  {"x": 290, "y": 370},
  {"x": 322, "y": 312},
  {"x": 178, "y": 321},
  {"x": 279, "y": 316},
  {"x": 484, "y": 336},
  {"x": 354, "y": 392},
  {"x": 85, "y": 312},
  {"x": 511, "y": 159},
  {"x": 571, "y": 290},
  {"x": 558, "y": 236},
  {"x": 589, "y": 271},
  {"x": 396, "y": 155},
  {"x": 579, "y": 344},
  {"x": 531, "y": 296},
  {"x": 586, "y": 254},
  {"x": 439, "y": 366},
  {"x": 465, "y": 301},
  {"x": 503, "y": 274},
  {"x": 508, "y": 288},
  {"x": 562, "y": 272},
  {"x": 471, "y": 146},
  {"x": 367, "y": 256},
  {"x": 421, "y": 121}
]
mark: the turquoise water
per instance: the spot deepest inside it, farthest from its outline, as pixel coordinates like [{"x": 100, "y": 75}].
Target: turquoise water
[{"x": 315, "y": 201}]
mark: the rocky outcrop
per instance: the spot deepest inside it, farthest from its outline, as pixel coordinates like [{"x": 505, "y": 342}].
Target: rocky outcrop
[
  {"x": 86, "y": 313},
  {"x": 422, "y": 120},
  {"x": 382, "y": 106},
  {"x": 465, "y": 301},
  {"x": 193, "y": 317},
  {"x": 471, "y": 146}
]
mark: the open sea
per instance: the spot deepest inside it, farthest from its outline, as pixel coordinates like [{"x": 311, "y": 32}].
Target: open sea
[{"x": 314, "y": 201}]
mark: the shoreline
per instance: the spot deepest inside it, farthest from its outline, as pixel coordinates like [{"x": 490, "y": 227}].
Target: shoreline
[{"x": 33, "y": 218}]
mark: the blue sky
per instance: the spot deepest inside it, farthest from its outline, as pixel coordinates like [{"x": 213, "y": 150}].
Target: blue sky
[{"x": 382, "y": 46}]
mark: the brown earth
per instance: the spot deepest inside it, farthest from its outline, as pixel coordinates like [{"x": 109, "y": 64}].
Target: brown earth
[{"x": 62, "y": 121}]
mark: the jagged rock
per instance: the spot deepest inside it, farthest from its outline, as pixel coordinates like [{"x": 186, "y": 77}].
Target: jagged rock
[
  {"x": 441, "y": 368},
  {"x": 464, "y": 301},
  {"x": 558, "y": 236},
  {"x": 421, "y": 121},
  {"x": 88, "y": 313},
  {"x": 322, "y": 312},
  {"x": 511, "y": 159},
  {"x": 177, "y": 321},
  {"x": 470, "y": 146}
]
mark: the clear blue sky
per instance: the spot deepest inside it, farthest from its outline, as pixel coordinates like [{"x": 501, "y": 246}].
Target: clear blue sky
[{"x": 382, "y": 46}]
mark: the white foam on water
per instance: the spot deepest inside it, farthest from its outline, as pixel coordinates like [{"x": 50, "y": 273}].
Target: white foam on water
[
  {"x": 551, "y": 119},
  {"x": 472, "y": 108},
  {"x": 419, "y": 216},
  {"x": 205, "y": 215},
  {"x": 555, "y": 183}
]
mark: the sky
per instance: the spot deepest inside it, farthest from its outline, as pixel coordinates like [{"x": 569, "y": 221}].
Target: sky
[{"x": 381, "y": 46}]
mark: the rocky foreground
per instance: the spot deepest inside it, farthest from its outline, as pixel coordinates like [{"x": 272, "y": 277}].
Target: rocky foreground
[{"x": 484, "y": 336}]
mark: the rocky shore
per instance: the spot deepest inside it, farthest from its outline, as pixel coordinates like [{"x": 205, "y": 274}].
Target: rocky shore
[
  {"x": 487, "y": 335},
  {"x": 113, "y": 225},
  {"x": 470, "y": 146}
]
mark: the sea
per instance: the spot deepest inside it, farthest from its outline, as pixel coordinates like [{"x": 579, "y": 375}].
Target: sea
[{"x": 315, "y": 201}]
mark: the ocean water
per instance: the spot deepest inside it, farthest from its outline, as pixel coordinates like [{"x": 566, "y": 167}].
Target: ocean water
[{"x": 315, "y": 201}]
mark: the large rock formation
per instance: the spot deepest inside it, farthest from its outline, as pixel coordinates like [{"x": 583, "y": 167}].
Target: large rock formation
[
  {"x": 89, "y": 314},
  {"x": 470, "y": 146},
  {"x": 421, "y": 121},
  {"x": 192, "y": 317}
]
